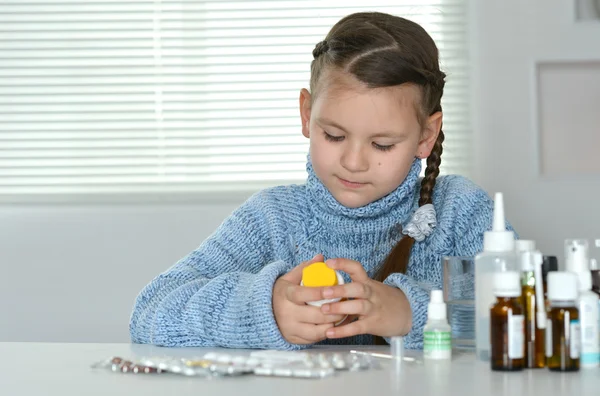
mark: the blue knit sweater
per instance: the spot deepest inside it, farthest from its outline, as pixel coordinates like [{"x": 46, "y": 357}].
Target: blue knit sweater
[{"x": 220, "y": 294}]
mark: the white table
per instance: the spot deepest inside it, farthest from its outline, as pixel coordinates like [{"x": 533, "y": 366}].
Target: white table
[{"x": 64, "y": 369}]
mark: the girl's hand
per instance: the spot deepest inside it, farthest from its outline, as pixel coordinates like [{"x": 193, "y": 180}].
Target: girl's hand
[
  {"x": 300, "y": 323},
  {"x": 381, "y": 310}
]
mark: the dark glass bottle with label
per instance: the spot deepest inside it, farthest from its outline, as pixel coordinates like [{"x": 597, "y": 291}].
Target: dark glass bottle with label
[
  {"x": 563, "y": 336},
  {"x": 507, "y": 333}
]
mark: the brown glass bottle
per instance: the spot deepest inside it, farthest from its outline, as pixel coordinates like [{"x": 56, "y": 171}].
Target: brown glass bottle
[
  {"x": 562, "y": 330},
  {"x": 535, "y": 356},
  {"x": 507, "y": 321}
]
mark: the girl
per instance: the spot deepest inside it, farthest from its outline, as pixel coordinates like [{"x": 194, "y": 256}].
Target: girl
[{"x": 372, "y": 113}]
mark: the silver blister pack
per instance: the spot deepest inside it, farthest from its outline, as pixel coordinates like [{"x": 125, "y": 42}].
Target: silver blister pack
[{"x": 263, "y": 363}]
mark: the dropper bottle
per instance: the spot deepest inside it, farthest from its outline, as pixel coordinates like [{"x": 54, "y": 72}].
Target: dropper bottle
[
  {"x": 498, "y": 255},
  {"x": 437, "y": 337}
]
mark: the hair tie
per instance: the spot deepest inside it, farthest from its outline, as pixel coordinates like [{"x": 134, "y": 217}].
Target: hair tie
[
  {"x": 438, "y": 80},
  {"x": 320, "y": 49},
  {"x": 422, "y": 223}
]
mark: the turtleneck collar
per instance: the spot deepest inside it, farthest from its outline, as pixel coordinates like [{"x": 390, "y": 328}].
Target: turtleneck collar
[{"x": 400, "y": 201}]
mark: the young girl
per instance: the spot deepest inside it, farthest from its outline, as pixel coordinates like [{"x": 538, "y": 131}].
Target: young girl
[{"x": 372, "y": 113}]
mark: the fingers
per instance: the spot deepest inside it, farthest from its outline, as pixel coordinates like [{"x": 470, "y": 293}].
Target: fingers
[
  {"x": 360, "y": 307},
  {"x": 351, "y": 267},
  {"x": 313, "y": 315},
  {"x": 349, "y": 290},
  {"x": 295, "y": 275},
  {"x": 349, "y": 319},
  {"x": 349, "y": 330},
  {"x": 313, "y": 333},
  {"x": 301, "y": 295}
]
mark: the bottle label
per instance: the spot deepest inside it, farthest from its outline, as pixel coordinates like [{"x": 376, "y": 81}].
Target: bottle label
[
  {"x": 516, "y": 336},
  {"x": 437, "y": 344},
  {"x": 575, "y": 339},
  {"x": 549, "y": 338},
  {"x": 590, "y": 340}
]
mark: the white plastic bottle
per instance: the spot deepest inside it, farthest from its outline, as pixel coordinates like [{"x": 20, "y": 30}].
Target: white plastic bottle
[
  {"x": 437, "y": 337},
  {"x": 577, "y": 261},
  {"x": 498, "y": 255},
  {"x": 588, "y": 319}
]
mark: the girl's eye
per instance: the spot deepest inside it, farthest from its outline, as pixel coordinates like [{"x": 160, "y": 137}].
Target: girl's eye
[
  {"x": 383, "y": 148},
  {"x": 332, "y": 138}
]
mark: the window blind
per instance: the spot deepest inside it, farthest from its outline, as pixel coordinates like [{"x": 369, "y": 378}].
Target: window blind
[{"x": 122, "y": 97}]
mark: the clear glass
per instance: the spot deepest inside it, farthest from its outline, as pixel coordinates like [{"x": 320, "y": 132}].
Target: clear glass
[{"x": 459, "y": 295}]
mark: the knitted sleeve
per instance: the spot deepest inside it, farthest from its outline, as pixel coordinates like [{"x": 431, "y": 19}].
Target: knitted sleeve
[
  {"x": 220, "y": 294},
  {"x": 472, "y": 221},
  {"x": 418, "y": 298}
]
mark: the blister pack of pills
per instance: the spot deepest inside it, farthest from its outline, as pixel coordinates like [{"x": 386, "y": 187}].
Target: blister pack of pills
[{"x": 262, "y": 363}]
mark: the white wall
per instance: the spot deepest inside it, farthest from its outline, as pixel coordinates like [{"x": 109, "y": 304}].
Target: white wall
[
  {"x": 511, "y": 36},
  {"x": 72, "y": 273}
]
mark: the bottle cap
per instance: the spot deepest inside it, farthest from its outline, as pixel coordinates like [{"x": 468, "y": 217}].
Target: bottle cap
[
  {"x": 550, "y": 263},
  {"x": 318, "y": 275},
  {"x": 524, "y": 245},
  {"x": 507, "y": 284},
  {"x": 437, "y": 308},
  {"x": 498, "y": 239},
  {"x": 526, "y": 258},
  {"x": 562, "y": 286}
]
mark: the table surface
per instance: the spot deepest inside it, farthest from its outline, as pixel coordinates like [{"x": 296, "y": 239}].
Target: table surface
[{"x": 65, "y": 369}]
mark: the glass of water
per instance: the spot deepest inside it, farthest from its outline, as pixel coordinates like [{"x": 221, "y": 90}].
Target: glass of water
[{"x": 459, "y": 295}]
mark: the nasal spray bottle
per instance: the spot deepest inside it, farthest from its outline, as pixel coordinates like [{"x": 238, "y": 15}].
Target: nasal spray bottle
[
  {"x": 498, "y": 255},
  {"x": 532, "y": 298},
  {"x": 577, "y": 261}
]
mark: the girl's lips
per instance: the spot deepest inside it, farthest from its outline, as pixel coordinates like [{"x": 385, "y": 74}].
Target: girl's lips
[{"x": 351, "y": 184}]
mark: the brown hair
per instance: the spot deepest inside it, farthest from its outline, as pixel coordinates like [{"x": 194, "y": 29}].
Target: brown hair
[{"x": 383, "y": 50}]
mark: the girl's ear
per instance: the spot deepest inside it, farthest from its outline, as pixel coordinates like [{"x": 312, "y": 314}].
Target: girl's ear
[
  {"x": 305, "y": 101},
  {"x": 429, "y": 135}
]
